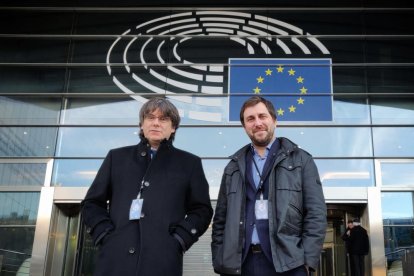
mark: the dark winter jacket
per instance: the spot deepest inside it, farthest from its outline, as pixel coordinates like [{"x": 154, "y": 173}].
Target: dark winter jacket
[
  {"x": 297, "y": 212},
  {"x": 358, "y": 241},
  {"x": 176, "y": 209}
]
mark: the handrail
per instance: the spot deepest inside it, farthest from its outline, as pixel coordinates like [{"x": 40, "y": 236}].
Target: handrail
[
  {"x": 15, "y": 252},
  {"x": 400, "y": 250}
]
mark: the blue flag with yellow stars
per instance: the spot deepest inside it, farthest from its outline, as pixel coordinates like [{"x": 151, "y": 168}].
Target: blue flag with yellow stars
[{"x": 300, "y": 89}]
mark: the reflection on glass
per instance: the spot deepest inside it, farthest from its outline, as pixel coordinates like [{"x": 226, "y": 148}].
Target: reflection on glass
[
  {"x": 393, "y": 141},
  {"x": 16, "y": 244},
  {"x": 193, "y": 110},
  {"x": 81, "y": 172},
  {"x": 392, "y": 111},
  {"x": 389, "y": 79},
  {"x": 94, "y": 141},
  {"x": 75, "y": 172},
  {"x": 350, "y": 111},
  {"x": 23, "y": 111},
  {"x": 211, "y": 142},
  {"x": 213, "y": 170},
  {"x": 102, "y": 111},
  {"x": 398, "y": 220},
  {"x": 27, "y": 141},
  {"x": 331, "y": 142},
  {"x": 217, "y": 142},
  {"x": 346, "y": 173},
  {"x": 397, "y": 174},
  {"x": 31, "y": 79},
  {"x": 397, "y": 238},
  {"x": 18, "y": 208},
  {"x": 397, "y": 205},
  {"x": 22, "y": 174},
  {"x": 31, "y": 50}
]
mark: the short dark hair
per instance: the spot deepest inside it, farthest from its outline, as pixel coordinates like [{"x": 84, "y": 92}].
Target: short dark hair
[
  {"x": 254, "y": 101},
  {"x": 165, "y": 107}
]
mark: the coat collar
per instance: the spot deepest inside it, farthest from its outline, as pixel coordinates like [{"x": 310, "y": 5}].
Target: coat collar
[{"x": 144, "y": 147}]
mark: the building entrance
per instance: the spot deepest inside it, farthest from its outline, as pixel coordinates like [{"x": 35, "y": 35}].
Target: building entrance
[{"x": 72, "y": 252}]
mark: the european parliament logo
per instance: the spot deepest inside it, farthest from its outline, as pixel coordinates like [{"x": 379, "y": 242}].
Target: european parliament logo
[
  {"x": 300, "y": 89},
  {"x": 169, "y": 56}
]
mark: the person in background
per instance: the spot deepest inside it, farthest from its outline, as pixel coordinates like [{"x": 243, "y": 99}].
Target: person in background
[
  {"x": 149, "y": 203},
  {"x": 345, "y": 236},
  {"x": 358, "y": 241},
  {"x": 270, "y": 216}
]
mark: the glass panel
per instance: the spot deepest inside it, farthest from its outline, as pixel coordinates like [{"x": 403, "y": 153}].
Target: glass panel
[
  {"x": 393, "y": 110},
  {"x": 31, "y": 79},
  {"x": 123, "y": 111},
  {"x": 96, "y": 142},
  {"x": 22, "y": 174},
  {"x": 27, "y": 111},
  {"x": 348, "y": 80},
  {"x": 393, "y": 141},
  {"x": 114, "y": 23},
  {"x": 33, "y": 50},
  {"x": 97, "y": 80},
  {"x": 389, "y": 51},
  {"x": 398, "y": 220},
  {"x": 390, "y": 79},
  {"x": 397, "y": 174},
  {"x": 75, "y": 172},
  {"x": 333, "y": 173},
  {"x": 217, "y": 142},
  {"x": 396, "y": 239},
  {"x": 396, "y": 206},
  {"x": 18, "y": 208},
  {"x": 350, "y": 110},
  {"x": 388, "y": 22},
  {"x": 346, "y": 173},
  {"x": 213, "y": 170},
  {"x": 222, "y": 142},
  {"x": 29, "y": 22},
  {"x": 16, "y": 245},
  {"x": 195, "y": 110},
  {"x": 331, "y": 142},
  {"x": 81, "y": 172},
  {"x": 27, "y": 141}
]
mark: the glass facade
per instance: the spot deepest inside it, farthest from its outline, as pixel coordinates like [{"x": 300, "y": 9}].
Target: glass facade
[{"x": 72, "y": 90}]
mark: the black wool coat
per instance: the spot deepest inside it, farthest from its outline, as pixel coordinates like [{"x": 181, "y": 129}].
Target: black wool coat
[
  {"x": 175, "y": 213},
  {"x": 358, "y": 241}
]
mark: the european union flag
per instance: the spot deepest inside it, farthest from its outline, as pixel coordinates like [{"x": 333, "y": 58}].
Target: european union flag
[{"x": 300, "y": 89}]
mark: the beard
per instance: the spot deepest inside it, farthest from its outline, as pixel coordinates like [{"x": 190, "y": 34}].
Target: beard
[{"x": 263, "y": 140}]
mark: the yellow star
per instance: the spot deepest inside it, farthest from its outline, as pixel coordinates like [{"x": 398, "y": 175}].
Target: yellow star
[
  {"x": 300, "y": 100},
  {"x": 300, "y": 79},
  {"x": 268, "y": 72},
  {"x": 257, "y": 90},
  {"x": 291, "y": 72},
  {"x": 280, "y": 112},
  {"x": 260, "y": 79},
  {"x": 292, "y": 108},
  {"x": 303, "y": 90},
  {"x": 280, "y": 69}
]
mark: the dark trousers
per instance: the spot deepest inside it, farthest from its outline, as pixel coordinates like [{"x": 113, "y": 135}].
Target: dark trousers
[
  {"x": 357, "y": 265},
  {"x": 256, "y": 264}
]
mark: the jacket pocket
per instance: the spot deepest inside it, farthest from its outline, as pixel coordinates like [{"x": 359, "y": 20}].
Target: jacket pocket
[
  {"x": 289, "y": 177},
  {"x": 233, "y": 180}
]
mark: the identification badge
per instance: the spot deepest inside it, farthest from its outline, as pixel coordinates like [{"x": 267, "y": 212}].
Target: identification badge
[
  {"x": 260, "y": 209},
  {"x": 136, "y": 207}
]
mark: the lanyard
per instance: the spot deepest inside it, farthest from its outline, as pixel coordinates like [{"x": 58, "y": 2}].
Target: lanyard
[
  {"x": 147, "y": 171},
  {"x": 261, "y": 181}
]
